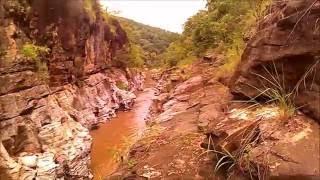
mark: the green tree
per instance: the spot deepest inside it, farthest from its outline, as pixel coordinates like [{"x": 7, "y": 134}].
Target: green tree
[
  {"x": 152, "y": 42},
  {"x": 34, "y": 52},
  {"x": 222, "y": 26},
  {"x": 136, "y": 56}
]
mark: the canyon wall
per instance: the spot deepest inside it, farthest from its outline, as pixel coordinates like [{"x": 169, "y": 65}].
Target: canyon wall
[{"x": 56, "y": 82}]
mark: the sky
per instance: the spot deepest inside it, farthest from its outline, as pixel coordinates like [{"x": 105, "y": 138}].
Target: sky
[{"x": 166, "y": 14}]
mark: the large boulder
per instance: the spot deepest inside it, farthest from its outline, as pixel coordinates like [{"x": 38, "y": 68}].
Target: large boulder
[
  {"x": 264, "y": 146},
  {"x": 285, "y": 50}
]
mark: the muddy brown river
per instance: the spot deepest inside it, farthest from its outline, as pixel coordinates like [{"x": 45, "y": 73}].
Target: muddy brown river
[{"x": 113, "y": 138}]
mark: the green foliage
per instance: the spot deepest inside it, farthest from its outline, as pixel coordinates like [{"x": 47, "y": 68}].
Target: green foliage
[
  {"x": 136, "y": 56},
  {"x": 131, "y": 163},
  {"x": 131, "y": 56},
  {"x": 105, "y": 15},
  {"x": 187, "y": 61},
  {"x": 233, "y": 56},
  {"x": 34, "y": 52},
  {"x": 89, "y": 8},
  {"x": 274, "y": 89},
  {"x": 223, "y": 25},
  {"x": 147, "y": 43},
  {"x": 179, "y": 53},
  {"x": 175, "y": 53},
  {"x": 122, "y": 85},
  {"x": 271, "y": 85}
]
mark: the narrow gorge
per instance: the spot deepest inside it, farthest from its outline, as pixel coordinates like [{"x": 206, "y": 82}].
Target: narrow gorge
[{"x": 86, "y": 93}]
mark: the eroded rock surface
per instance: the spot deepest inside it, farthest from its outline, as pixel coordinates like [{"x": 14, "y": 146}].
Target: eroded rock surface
[
  {"x": 283, "y": 57},
  {"x": 266, "y": 146},
  {"x": 285, "y": 50},
  {"x": 170, "y": 147}
]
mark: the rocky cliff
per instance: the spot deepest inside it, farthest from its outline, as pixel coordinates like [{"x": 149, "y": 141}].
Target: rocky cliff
[
  {"x": 284, "y": 56},
  {"x": 56, "y": 82}
]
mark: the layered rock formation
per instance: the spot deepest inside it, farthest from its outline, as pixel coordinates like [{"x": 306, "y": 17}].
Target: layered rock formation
[
  {"x": 284, "y": 55},
  {"x": 56, "y": 82}
]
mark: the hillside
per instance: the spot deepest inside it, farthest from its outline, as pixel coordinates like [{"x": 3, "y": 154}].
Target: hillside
[{"x": 150, "y": 41}]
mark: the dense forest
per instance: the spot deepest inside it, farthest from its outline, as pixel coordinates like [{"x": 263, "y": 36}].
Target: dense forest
[
  {"x": 148, "y": 43},
  {"x": 222, "y": 28}
]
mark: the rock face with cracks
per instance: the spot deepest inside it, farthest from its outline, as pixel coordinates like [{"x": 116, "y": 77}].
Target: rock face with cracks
[
  {"x": 265, "y": 146},
  {"x": 284, "y": 54},
  {"x": 49, "y": 100}
]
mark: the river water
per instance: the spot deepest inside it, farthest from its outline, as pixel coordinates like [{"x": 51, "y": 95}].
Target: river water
[{"x": 113, "y": 138}]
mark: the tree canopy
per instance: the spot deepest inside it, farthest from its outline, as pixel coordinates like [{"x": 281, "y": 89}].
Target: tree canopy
[{"x": 222, "y": 26}]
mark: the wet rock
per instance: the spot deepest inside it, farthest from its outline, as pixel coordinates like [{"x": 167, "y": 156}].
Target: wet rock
[{"x": 285, "y": 49}]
